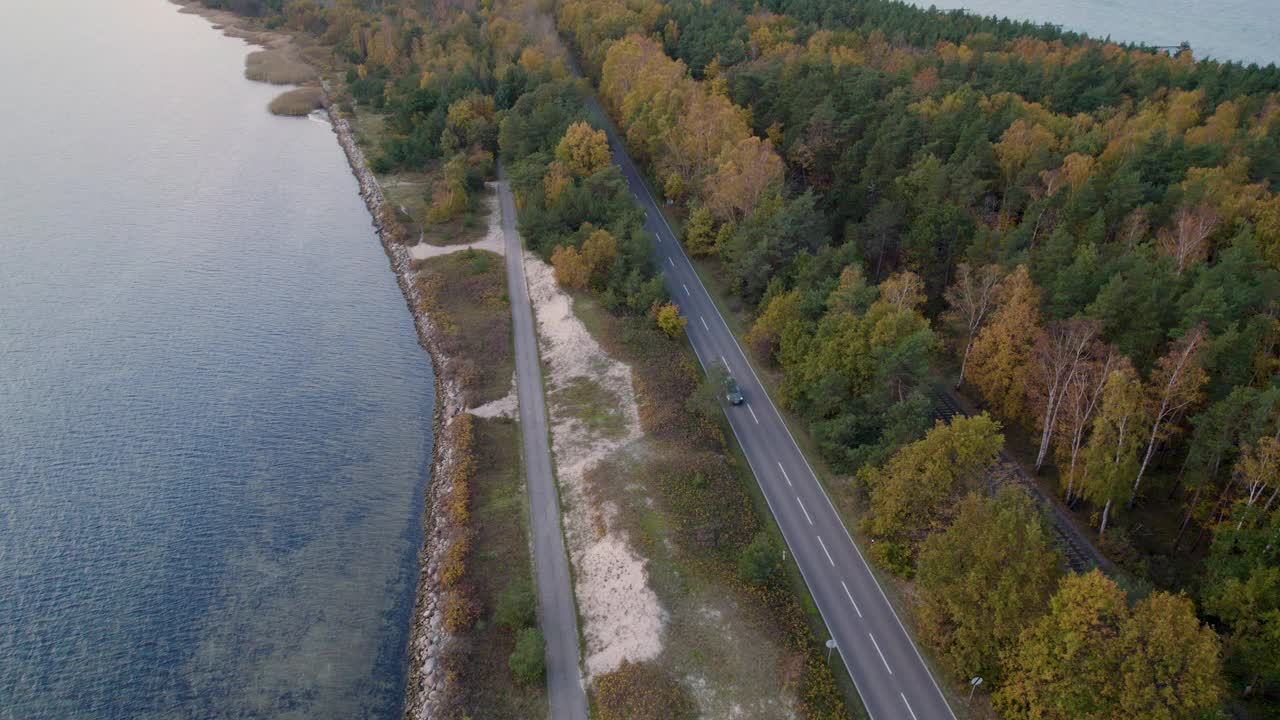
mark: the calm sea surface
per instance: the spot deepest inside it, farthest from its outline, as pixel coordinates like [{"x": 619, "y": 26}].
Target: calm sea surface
[
  {"x": 1243, "y": 30},
  {"x": 214, "y": 416}
]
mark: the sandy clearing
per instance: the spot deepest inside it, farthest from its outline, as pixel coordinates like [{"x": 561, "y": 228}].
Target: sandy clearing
[
  {"x": 622, "y": 618},
  {"x": 505, "y": 406},
  {"x": 492, "y": 240}
]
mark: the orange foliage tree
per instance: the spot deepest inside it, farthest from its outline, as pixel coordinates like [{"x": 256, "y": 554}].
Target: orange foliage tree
[{"x": 1002, "y": 351}]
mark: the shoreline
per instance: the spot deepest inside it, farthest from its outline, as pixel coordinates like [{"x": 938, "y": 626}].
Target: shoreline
[
  {"x": 424, "y": 686},
  {"x": 425, "y": 681}
]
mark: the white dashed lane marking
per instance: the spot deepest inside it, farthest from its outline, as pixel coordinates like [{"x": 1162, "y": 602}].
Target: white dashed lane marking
[
  {"x": 886, "y": 662},
  {"x": 904, "y": 702},
  {"x": 851, "y": 600},
  {"x": 806, "y": 512},
  {"x": 824, "y": 550}
]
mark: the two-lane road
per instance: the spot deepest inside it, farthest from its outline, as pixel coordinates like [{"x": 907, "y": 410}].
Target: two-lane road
[{"x": 885, "y": 666}]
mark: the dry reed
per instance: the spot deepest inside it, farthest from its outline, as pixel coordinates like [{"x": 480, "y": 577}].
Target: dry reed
[
  {"x": 278, "y": 68},
  {"x": 300, "y": 101}
]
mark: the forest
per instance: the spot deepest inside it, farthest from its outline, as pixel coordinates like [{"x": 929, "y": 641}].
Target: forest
[{"x": 1082, "y": 237}]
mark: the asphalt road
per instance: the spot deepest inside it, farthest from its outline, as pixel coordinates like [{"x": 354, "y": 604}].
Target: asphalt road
[
  {"x": 556, "y": 607},
  {"x": 884, "y": 663}
]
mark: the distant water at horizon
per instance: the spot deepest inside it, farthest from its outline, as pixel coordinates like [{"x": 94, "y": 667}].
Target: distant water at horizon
[
  {"x": 215, "y": 418},
  {"x": 1247, "y": 31}
]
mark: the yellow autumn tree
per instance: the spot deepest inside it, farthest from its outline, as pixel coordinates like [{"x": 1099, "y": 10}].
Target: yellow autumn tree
[
  {"x": 669, "y": 319},
  {"x": 599, "y": 251},
  {"x": 1021, "y": 142},
  {"x": 746, "y": 171},
  {"x": 782, "y": 312},
  {"x": 470, "y": 123},
  {"x": 583, "y": 149},
  {"x": 571, "y": 267},
  {"x": 1219, "y": 128},
  {"x": 1002, "y": 351},
  {"x": 555, "y": 181}
]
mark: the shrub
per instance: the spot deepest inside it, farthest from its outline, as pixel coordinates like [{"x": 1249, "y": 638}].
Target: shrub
[
  {"x": 528, "y": 661},
  {"x": 380, "y": 164},
  {"x": 455, "y": 562},
  {"x": 642, "y": 691},
  {"x": 460, "y": 610},
  {"x": 759, "y": 562},
  {"x": 517, "y": 606}
]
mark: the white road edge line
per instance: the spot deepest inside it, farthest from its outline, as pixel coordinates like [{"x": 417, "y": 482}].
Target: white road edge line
[
  {"x": 824, "y": 550},
  {"x": 886, "y": 662},
  {"x": 851, "y": 600},
  {"x": 785, "y": 476},
  {"x": 704, "y": 323},
  {"x": 806, "y": 512},
  {"x": 904, "y": 702},
  {"x": 753, "y": 414}
]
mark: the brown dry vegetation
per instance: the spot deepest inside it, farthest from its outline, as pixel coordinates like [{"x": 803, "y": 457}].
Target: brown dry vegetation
[
  {"x": 642, "y": 691},
  {"x": 461, "y": 607},
  {"x": 498, "y": 559},
  {"x": 317, "y": 56},
  {"x": 297, "y": 102},
  {"x": 278, "y": 67},
  {"x": 465, "y": 296}
]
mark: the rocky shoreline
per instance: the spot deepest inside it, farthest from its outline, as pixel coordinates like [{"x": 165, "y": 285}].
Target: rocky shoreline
[{"x": 425, "y": 688}]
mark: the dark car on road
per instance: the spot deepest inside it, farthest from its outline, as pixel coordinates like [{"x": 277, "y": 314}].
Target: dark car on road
[{"x": 732, "y": 392}]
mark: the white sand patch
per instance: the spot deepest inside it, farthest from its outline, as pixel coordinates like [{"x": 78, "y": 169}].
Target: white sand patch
[
  {"x": 622, "y": 618},
  {"x": 492, "y": 240},
  {"x": 502, "y": 407}
]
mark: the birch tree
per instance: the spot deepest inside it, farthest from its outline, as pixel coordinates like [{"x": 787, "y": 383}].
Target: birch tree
[
  {"x": 969, "y": 302},
  {"x": 1080, "y": 402},
  {"x": 1111, "y": 455},
  {"x": 1186, "y": 241},
  {"x": 1061, "y": 348},
  {"x": 1175, "y": 388},
  {"x": 1258, "y": 473}
]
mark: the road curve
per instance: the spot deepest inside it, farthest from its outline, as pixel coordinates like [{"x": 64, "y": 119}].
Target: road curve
[
  {"x": 881, "y": 658},
  {"x": 556, "y": 608}
]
